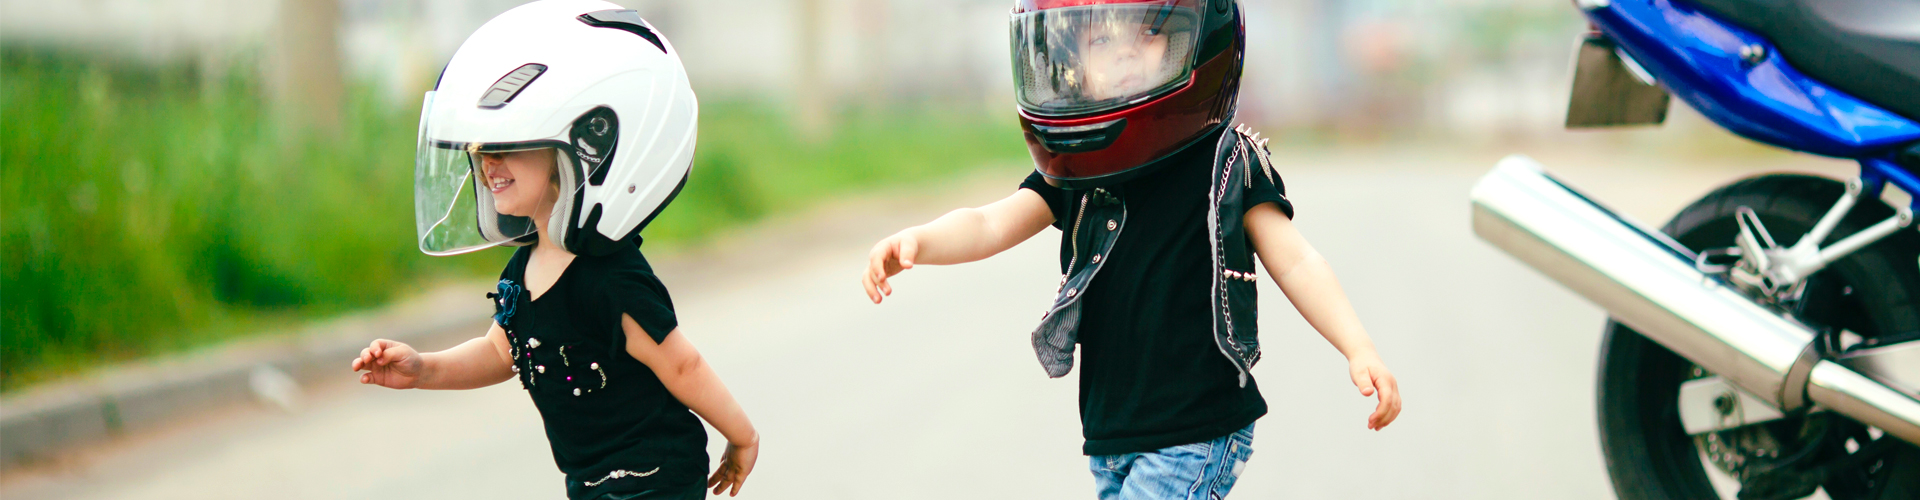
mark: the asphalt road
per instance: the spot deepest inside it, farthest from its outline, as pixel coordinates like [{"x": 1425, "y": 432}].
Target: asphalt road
[{"x": 936, "y": 394}]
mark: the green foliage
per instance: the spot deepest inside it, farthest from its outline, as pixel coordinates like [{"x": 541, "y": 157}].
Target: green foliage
[{"x": 150, "y": 209}]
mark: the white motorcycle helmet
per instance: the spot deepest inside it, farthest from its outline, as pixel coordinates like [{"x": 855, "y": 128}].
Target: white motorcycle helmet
[{"x": 587, "y": 78}]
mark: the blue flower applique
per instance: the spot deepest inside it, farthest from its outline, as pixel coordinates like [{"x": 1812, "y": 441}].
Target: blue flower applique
[{"x": 505, "y": 300}]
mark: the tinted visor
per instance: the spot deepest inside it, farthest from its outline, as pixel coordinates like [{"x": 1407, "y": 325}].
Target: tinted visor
[{"x": 1086, "y": 59}]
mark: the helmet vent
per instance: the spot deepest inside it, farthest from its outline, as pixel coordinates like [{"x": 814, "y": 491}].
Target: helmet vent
[
  {"x": 624, "y": 20},
  {"x": 503, "y": 91}
]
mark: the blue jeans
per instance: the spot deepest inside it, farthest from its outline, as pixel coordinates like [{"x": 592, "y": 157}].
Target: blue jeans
[{"x": 1200, "y": 471}]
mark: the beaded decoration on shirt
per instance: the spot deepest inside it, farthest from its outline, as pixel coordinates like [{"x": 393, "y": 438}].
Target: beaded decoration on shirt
[{"x": 622, "y": 473}]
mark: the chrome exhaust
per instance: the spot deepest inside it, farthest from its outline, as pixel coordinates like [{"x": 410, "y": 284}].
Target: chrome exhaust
[{"x": 1649, "y": 282}]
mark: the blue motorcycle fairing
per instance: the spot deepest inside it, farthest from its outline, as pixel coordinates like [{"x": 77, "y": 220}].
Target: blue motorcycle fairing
[{"x": 1698, "y": 58}]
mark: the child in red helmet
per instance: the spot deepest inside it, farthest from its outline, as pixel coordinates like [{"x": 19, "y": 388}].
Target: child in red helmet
[{"x": 1163, "y": 209}]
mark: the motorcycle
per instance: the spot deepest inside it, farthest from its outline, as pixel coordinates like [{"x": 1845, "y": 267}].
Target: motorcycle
[{"x": 1765, "y": 342}]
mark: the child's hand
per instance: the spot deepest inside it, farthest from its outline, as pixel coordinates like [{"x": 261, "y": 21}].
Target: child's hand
[
  {"x": 1370, "y": 375},
  {"x": 734, "y": 467},
  {"x": 889, "y": 257},
  {"x": 389, "y": 364}
]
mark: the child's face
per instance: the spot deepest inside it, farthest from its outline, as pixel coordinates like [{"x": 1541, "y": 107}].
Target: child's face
[
  {"x": 1122, "y": 59},
  {"x": 521, "y": 181}
]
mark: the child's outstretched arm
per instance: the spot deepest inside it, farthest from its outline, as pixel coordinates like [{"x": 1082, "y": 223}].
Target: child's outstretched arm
[
  {"x": 687, "y": 376},
  {"x": 1304, "y": 275},
  {"x": 474, "y": 364},
  {"x": 963, "y": 235}
]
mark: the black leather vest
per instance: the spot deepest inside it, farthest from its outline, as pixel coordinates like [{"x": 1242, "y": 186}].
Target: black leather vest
[{"x": 1102, "y": 216}]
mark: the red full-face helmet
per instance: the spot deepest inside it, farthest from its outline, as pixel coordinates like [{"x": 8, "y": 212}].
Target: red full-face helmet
[{"x": 1107, "y": 88}]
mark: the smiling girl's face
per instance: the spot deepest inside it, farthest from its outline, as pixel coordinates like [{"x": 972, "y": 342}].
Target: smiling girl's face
[
  {"x": 521, "y": 181},
  {"x": 1122, "y": 59}
]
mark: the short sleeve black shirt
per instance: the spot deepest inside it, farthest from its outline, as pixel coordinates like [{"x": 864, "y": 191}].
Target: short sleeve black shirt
[
  {"x": 1151, "y": 374},
  {"x": 604, "y": 411}
]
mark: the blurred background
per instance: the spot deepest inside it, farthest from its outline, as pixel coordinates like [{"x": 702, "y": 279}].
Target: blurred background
[{"x": 183, "y": 175}]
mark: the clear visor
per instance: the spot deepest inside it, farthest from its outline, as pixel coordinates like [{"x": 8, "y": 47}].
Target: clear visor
[
  {"x": 1086, "y": 59},
  {"x": 469, "y": 196}
]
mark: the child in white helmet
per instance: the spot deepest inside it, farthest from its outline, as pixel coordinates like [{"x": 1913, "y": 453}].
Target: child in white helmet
[{"x": 531, "y": 139}]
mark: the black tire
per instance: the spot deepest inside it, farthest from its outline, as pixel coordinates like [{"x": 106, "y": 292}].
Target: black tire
[{"x": 1649, "y": 455}]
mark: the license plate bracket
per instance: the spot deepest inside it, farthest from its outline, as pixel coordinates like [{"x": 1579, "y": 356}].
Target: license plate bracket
[{"x": 1611, "y": 90}]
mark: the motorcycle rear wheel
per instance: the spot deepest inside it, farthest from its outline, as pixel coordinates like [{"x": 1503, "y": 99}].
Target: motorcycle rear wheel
[{"x": 1873, "y": 292}]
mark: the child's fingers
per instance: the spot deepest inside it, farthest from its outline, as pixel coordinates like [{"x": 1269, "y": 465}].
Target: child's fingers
[
  {"x": 1379, "y": 416},
  {"x": 1389, "y": 407},
  {"x": 1363, "y": 379},
  {"x": 866, "y": 281},
  {"x": 876, "y": 276},
  {"x": 1391, "y": 392}
]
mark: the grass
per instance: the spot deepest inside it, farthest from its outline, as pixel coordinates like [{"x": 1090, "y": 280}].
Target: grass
[{"x": 148, "y": 210}]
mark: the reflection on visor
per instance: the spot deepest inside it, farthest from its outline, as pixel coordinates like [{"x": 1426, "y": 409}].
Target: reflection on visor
[
  {"x": 1086, "y": 59},
  {"x": 453, "y": 207}
]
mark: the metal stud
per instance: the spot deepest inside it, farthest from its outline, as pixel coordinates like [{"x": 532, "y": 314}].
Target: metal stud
[
  {"x": 1111, "y": 225},
  {"x": 1071, "y": 292},
  {"x": 1096, "y": 258}
]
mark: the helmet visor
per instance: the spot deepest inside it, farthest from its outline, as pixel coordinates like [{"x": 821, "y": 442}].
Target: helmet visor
[
  {"x": 1086, "y": 59},
  {"x": 469, "y": 195}
]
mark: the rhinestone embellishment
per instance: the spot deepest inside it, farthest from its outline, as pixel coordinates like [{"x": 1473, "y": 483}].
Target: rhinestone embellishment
[
  {"x": 620, "y": 473},
  {"x": 541, "y": 368},
  {"x": 533, "y": 342},
  {"x": 1112, "y": 225},
  {"x": 576, "y": 391}
]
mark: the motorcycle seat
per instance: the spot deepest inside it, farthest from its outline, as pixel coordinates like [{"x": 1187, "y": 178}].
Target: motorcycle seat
[{"x": 1867, "y": 48}]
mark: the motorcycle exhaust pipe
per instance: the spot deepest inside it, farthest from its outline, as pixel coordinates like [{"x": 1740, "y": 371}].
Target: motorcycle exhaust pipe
[{"x": 1649, "y": 282}]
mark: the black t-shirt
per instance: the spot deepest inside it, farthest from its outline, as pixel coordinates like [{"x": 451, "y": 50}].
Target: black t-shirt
[
  {"x": 1151, "y": 375},
  {"x": 604, "y": 411}
]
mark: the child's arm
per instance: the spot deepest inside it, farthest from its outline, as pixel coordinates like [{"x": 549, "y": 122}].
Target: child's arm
[
  {"x": 687, "y": 376},
  {"x": 963, "y": 235},
  {"x": 476, "y": 363},
  {"x": 1304, "y": 275}
]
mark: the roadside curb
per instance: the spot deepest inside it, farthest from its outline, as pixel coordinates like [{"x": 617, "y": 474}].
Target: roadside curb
[{"x": 42, "y": 422}]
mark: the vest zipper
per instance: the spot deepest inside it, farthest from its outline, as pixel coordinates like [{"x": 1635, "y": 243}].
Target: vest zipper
[{"x": 1080, "y": 214}]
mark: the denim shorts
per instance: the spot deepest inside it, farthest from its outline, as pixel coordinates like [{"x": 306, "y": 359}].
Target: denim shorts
[{"x": 1200, "y": 471}]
